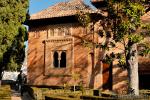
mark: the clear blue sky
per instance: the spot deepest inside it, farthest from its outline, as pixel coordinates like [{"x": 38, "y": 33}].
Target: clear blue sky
[{"x": 38, "y": 5}]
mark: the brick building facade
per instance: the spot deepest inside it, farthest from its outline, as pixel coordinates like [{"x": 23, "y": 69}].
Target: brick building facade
[{"x": 57, "y": 54}]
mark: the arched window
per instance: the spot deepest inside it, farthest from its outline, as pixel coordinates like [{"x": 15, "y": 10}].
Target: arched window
[
  {"x": 67, "y": 31},
  {"x": 55, "y": 59},
  {"x": 60, "y": 31},
  {"x": 50, "y": 32},
  {"x": 63, "y": 60}
]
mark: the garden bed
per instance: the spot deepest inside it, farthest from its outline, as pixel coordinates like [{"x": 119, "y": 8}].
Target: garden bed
[{"x": 86, "y": 94}]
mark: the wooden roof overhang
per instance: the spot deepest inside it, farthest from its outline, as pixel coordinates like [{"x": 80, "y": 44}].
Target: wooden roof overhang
[
  {"x": 59, "y": 20},
  {"x": 51, "y": 21},
  {"x": 99, "y": 3}
]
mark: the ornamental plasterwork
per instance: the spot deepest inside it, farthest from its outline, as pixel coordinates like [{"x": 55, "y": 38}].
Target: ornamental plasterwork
[{"x": 59, "y": 40}]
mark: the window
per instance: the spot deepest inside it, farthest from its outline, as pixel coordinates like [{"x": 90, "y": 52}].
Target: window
[
  {"x": 67, "y": 31},
  {"x": 59, "y": 59},
  {"x": 60, "y": 31},
  {"x": 63, "y": 59},
  {"x": 50, "y": 32},
  {"x": 55, "y": 57}
]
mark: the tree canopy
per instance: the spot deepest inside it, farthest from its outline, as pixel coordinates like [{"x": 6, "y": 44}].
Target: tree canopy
[
  {"x": 13, "y": 14},
  {"x": 123, "y": 25}
]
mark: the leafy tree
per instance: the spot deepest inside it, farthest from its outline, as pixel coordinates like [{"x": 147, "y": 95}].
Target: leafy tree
[
  {"x": 13, "y": 14},
  {"x": 123, "y": 25}
]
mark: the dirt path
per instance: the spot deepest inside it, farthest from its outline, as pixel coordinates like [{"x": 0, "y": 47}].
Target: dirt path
[{"x": 16, "y": 98}]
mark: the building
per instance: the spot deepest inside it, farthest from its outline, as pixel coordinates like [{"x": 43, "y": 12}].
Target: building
[{"x": 57, "y": 54}]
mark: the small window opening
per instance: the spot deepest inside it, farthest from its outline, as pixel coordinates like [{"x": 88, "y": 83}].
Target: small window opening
[
  {"x": 67, "y": 31},
  {"x": 60, "y": 31},
  {"x": 50, "y": 32},
  {"x": 63, "y": 60},
  {"x": 56, "y": 62}
]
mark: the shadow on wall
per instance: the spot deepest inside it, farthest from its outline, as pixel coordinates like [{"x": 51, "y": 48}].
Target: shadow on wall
[
  {"x": 37, "y": 69},
  {"x": 120, "y": 79},
  {"x": 106, "y": 73}
]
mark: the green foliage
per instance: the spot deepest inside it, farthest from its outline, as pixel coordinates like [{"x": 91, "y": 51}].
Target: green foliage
[
  {"x": 125, "y": 19},
  {"x": 121, "y": 60},
  {"x": 135, "y": 38},
  {"x": 144, "y": 48},
  {"x": 147, "y": 28},
  {"x": 121, "y": 25},
  {"x": 108, "y": 59},
  {"x": 12, "y": 32},
  {"x": 84, "y": 18},
  {"x": 87, "y": 43},
  {"x": 104, "y": 46},
  {"x": 133, "y": 10}
]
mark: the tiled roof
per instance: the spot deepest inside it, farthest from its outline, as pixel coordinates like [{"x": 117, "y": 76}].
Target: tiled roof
[{"x": 62, "y": 9}]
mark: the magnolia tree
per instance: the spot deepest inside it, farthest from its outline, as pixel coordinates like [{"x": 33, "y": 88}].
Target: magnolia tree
[
  {"x": 123, "y": 25},
  {"x": 13, "y": 14}
]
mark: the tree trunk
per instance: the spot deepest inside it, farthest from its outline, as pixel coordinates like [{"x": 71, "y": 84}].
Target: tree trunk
[{"x": 133, "y": 71}]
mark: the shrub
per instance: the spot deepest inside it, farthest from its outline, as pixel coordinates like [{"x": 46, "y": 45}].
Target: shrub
[
  {"x": 56, "y": 98},
  {"x": 5, "y": 92},
  {"x": 96, "y": 98}
]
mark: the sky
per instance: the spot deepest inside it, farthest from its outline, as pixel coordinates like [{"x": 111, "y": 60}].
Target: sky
[{"x": 38, "y": 5}]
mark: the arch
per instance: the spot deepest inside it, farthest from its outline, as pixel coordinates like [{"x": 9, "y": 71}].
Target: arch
[
  {"x": 60, "y": 31},
  {"x": 51, "y": 32},
  {"x": 55, "y": 59},
  {"x": 63, "y": 59}
]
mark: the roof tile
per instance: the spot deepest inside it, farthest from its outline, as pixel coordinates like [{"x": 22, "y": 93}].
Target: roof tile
[{"x": 62, "y": 9}]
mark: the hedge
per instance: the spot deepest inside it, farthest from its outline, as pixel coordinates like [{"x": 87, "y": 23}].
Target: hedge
[
  {"x": 5, "y": 92},
  {"x": 57, "y": 98},
  {"x": 96, "y": 98}
]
